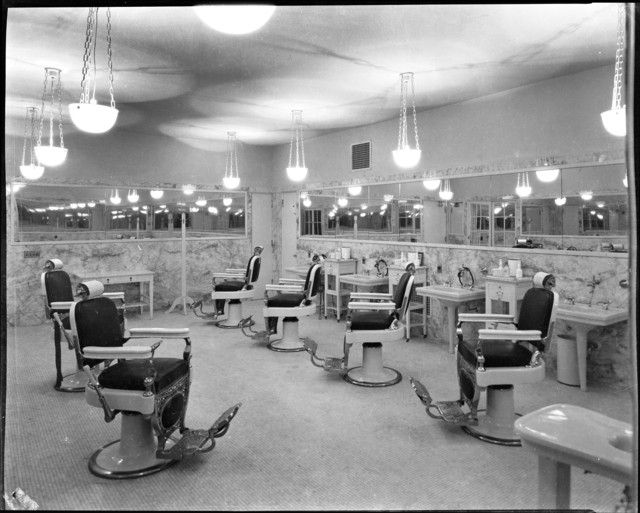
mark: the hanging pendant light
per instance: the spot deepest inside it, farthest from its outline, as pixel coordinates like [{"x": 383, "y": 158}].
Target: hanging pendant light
[
  {"x": 235, "y": 19},
  {"x": 625, "y": 181},
  {"x": 213, "y": 210},
  {"x": 115, "y": 198},
  {"x": 342, "y": 201},
  {"x": 31, "y": 171},
  {"x": 431, "y": 185},
  {"x": 227, "y": 201},
  {"x": 307, "y": 202},
  {"x": 201, "y": 202},
  {"x": 133, "y": 196},
  {"x": 615, "y": 120},
  {"x": 522, "y": 188},
  {"x": 355, "y": 190},
  {"x": 296, "y": 173},
  {"x": 560, "y": 201},
  {"x": 156, "y": 193},
  {"x": 388, "y": 197},
  {"x": 404, "y": 156},
  {"x": 230, "y": 180},
  {"x": 586, "y": 195},
  {"x": 547, "y": 175},
  {"x": 188, "y": 189},
  {"x": 87, "y": 115},
  {"x": 51, "y": 155},
  {"x": 445, "y": 191}
]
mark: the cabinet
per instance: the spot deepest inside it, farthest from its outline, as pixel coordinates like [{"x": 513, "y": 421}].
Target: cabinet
[
  {"x": 333, "y": 269},
  {"x": 417, "y": 303},
  {"x": 504, "y": 295}
]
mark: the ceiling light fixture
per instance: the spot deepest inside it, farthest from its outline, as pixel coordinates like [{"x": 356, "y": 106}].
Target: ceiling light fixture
[
  {"x": 303, "y": 194},
  {"x": 342, "y": 201},
  {"x": 201, "y": 202},
  {"x": 235, "y": 19},
  {"x": 82, "y": 205},
  {"x": 213, "y": 210},
  {"x": 31, "y": 171},
  {"x": 355, "y": 190},
  {"x": 91, "y": 204},
  {"x": 522, "y": 188},
  {"x": 51, "y": 155},
  {"x": 445, "y": 190},
  {"x": 547, "y": 175},
  {"x": 404, "y": 156},
  {"x": 230, "y": 181},
  {"x": 388, "y": 197},
  {"x": 615, "y": 120},
  {"x": 586, "y": 195},
  {"x": 188, "y": 189},
  {"x": 600, "y": 204},
  {"x": 297, "y": 173},
  {"x": 87, "y": 115},
  {"x": 307, "y": 202},
  {"x": 115, "y": 198},
  {"x": 133, "y": 196},
  {"x": 431, "y": 185},
  {"x": 383, "y": 207},
  {"x": 156, "y": 193}
]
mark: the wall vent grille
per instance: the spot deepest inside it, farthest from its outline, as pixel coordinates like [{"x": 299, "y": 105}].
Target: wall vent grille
[{"x": 361, "y": 156}]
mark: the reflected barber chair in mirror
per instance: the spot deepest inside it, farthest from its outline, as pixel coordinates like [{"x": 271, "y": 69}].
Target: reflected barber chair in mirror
[
  {"x": 294, "y": 298},
  {"x": 498, "y": 360},
  {"x": 371, "y": 323},
  {"x": 58, "y": 299},
  {"x": 236, "y": 285},
  {"x": 151, "y": 393}
]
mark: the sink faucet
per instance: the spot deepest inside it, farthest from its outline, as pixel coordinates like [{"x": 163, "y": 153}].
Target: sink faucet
[
  {"x": 461, "y": 274},
  {"x": 605, "y": 304},
  {"x": 447, "y": 282},
  {"x": 592, "y": 285},
  {"x": 367, "y": 272},
  {"x": 570, "y": 299}
]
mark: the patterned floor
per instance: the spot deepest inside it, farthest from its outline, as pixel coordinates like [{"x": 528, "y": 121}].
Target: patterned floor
[{"x": 304, "y": 439}]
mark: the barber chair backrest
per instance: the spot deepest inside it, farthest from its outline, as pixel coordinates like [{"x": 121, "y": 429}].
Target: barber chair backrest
[
  {"x": 312, "y": 283},
  {"x": 538, "y": 312},
  {"x": 95, "y": 322},
  {"x": 402, "y": 297},
  {"x": 253, "y": 269},
  {"x": 56, "y": 286}
]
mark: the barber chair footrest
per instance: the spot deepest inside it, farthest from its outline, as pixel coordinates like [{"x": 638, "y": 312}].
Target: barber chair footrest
[
  {"x": 333, "y": 364},
  {"x": 452, "y": 413},
  {"x": 261, "y": 336}
]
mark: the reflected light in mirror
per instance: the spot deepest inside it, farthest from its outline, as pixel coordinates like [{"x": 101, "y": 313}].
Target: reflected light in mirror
[
  {"x": 82, "y": 205},
  {"x": 135, "y": 209},
  {"x": 547, "y": 175},
  {"x": 388, "y": 197},
  {"x": 133, "y": 196},
  {"x": 50, "y": 156},
  {"x": 560, "y": 201},
  {"x": 307, "y": 202},
  {"x": 213, "y": 210},
  {"x": 445, "y": 191},
  {"x": 157, "y": 193},
  {"x": 383, "y": 207},
  {"x": 91, "y": 204},
  {"x": 343, "y": 202},
  {"x": 625, "y": 181},
  {"x": 115, "y": 198},
  {"x": 600, "y": 204},
  {"x": 227, "y": 202},
  {"x": 189, "y": 189},
  {"x": 201, "y": 202},
  {"x": 354, "y": 191},
  {"x": 235, "y": 19},
  {"x": 73, "y": 205},
  {"x": 586, "y": 195},
  {"x": 431, "y": 185}
]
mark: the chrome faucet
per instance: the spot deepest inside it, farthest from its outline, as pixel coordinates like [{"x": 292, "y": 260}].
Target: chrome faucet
[
  {"x": 570, "y": 299},
  {"x": 605, "y": 304},
  {"x": 592, "y": 285},
  {"x": 461, "y": 273}
]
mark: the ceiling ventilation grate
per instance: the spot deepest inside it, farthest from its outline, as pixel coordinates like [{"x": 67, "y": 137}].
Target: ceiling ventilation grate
[{"x": 361, "y": 156}]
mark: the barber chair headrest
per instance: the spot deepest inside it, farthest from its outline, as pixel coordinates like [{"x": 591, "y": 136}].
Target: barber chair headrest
[
  {"x": 52, "y": 264},
  {"x": 544, "y": 280},
  {"x": 410, "y": 267},
  {"x": 88, "y": 289},
  {"x": 258, "y": 250}
]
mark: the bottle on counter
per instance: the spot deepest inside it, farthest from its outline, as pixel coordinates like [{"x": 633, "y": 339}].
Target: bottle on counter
[{"x": 519, "y": 271}]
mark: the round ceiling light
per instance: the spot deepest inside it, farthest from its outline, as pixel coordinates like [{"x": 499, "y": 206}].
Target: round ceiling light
[{"x": 235, "y": 19}]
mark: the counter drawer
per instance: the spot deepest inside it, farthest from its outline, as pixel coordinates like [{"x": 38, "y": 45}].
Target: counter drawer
[{"x": 495, "y": 291}]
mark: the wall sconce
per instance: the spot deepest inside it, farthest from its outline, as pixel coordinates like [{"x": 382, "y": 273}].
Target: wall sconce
[
  {"x": 51, "y": 155},
  {"x": 296, "y": 173},
  {"x": 522, "y": 188},
  {"x": 404, "y": 156},
  {"x": 88, "y": 115},
  {"x": 31, "y": 171},
  {"x": 133, "y": 196},
  {"x": 230, "y": 180},
  {"x": 615, "y": 120},
  {"x": 235, "y": 19},
  {"x": 445, "y": 191}
]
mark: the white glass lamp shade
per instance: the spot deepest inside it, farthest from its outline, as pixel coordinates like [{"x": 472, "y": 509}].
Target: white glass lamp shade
[
  {"x": 157, "y": 193},
  {"x": 235, "y": 19},
  {"x": 388, "y": 197},
  {"x": 227, "y": 201},
  {"x": 50, "y": 156},
  {"x": 213, "y": 210},
  {"x": 91, "y": 204},
  {"x": 625, "y": 181},
  {"x": 364, "y": 206},
  {"x": 82, "y": 205},
  {"x": 297, "y": 174},
  {"x": 446, "y": 195},
  {"x": 115, "y": 199},
  {"x": 406, "y": 158},
  {"x": 586, "y": 195},
  {"x": 354, "y": 191},
  {"x": 93, "y": 118},
  {"x": 188, "y": 189},
  {"x": 523, "y": 191},
  {"x": 73, "y": 205},
  {"x": 135, "y": 209},
  {"x": 304, "y": 194},
  {"x": 615, "y": 121},
  {"x": 431, "y": 185},
  {"x": 600, "y": 204},
  {"x": 383, "y": 207},
  {"x": 231, "y": 182},
  {"x": 560, "y": 201},
  {"x": 547, "y": 175},
  {"x": 307, "y": 202},
  {"x": 600, "y": 216},
  {"x": 343, "y": 202},
  {"x": 133, "y": 196},
  {"x": 194, "y": 209},
  {"x": 31, "y": 172},
  {"x": 201, "y": 202}
]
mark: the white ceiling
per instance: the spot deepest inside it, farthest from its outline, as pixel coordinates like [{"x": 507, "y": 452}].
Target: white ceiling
[{"x": 340, "y": 65}]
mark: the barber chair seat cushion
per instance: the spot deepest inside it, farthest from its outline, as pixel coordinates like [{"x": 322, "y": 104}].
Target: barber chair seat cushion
[
  {"x": 497, "y": 353},
  {"x": 290, "y": 300},
  {"x": 229, "y": 286},
  {"x": 130, "y": 374},
  {"x": 371, "y": 321}
]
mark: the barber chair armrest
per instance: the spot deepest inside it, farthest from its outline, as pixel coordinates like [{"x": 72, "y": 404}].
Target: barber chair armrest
[
  {"x": 283, "y": 288},
  {"x": 116, "y": 353},
  {"x": 235, "y": 271},
  {"x": 229, "y": 275},
  {"x": 62, "y": 306},
  {"x": 357, "y": 305},
  {"x": 534, "y": 335},
  {"x": 371, "y": 295},
  {"x": 284, "y": 281},
  {"x": 114, "y": 295},
  {"x": 158, "y": 332},
  {"x": 487, "y": 317}
]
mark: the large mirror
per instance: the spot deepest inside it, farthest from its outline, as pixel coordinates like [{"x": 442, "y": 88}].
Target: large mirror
[
  {"x": 539, "y": 208},
  {"x": 64, "y": 213}
]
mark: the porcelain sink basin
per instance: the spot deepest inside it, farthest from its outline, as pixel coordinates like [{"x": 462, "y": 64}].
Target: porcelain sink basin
[
  {"x": 592, "y": 315},
  {"x": 623, "y": 442},
  {"x": 451, "y": 296},
  {"x": 364, "y": 278}
]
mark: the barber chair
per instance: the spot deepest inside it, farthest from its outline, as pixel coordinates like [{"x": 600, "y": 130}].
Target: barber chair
[
  {"x": 294, "y": 298},
  {"x": 236, "y": 285},
  {"x": 498, "y": 360},
  {"x": 372, "y": 324},
  {"x": 58, "y": 298},
  {"x": 150, "y": 393}
]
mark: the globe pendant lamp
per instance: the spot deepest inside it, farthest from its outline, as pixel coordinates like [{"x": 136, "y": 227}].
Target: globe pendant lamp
[
  {"x": 404, "y": 156},
  {"x": 615, "y": 120},
  {"x": 355, "y": 190},
  {"x": 522, "y": 187},
  {"x": 231, "y": 180},
  {"x": 156, "y": 193},
  {"x": 51, "y": 155},
  {"x": 88, "y": 115},
  {"x": 226, "y": 201},
  {"x": 445, "y": 191},
  {"x": 31, "y": 171},
  {"x": 296, "y": 173},
  {"x": 547, "y": 175},
  {"x": 133, "y": 196},
  {"x": 235, "y": 19},
  {"x": 431, "y": 185}
]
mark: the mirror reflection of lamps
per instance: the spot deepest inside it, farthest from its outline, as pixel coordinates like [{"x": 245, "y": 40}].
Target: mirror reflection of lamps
[
  {"x": 133, "y": 196},
  {"x": 115, "y": 198},
  {"x": 355, "y": 190},
  {"x": 404, "y": 156},
  {"x": 91, "y": 204},
  {"x": 615, "y": 120},
  {"x": 87, "y": 115},
  {"x": 431, "y": 185},
  {"x": 307, "y": 202},
  {"x": 343, "y": 202},
  {"x": 560, "y": 201},
  {"x": 547, "y": 175},
  {"x": 51, "y": 155},
  {"x": 296, "y": 173},
  {"x": 31, "y": 171},
  {"x": 388, "y": 197},
  {"x": 227, "y": 201},
  {"x": 201, "y": 202},
  {"x": 188, "y": 189},
  {"x": 213, "y": 210},
  {"x": 522, "y": 188},
  {"x": 586, "y": 195},
  {"x": 235, "y": 19},
  {"x": 231, "y": 180},
  {"x": 445, "y": 190}
]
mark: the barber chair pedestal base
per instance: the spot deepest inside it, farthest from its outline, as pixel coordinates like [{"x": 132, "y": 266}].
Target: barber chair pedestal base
[
  {"x": 372, "y": 373},
  {"x": 496, "y": 424},
  {"x": 134, "y": 455},
  {"x": 290, "y": 341},
  {"x": 235, "y": 316}
]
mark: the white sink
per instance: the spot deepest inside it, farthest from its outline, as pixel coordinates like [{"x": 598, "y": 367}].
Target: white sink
[
  {"x": 451, "y": 296},
  {"x": 364, "y": 278},
  {"x": 591, "y": 315}
]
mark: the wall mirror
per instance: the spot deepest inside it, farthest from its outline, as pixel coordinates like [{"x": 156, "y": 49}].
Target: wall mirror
[
  {"x": 42, "y": 212},
  {"x": 564, "y": 209}
]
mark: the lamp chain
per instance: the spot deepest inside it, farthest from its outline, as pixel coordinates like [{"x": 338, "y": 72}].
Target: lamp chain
[
  {"x": 415, "y": 119},
  {"x": 113, "y": 102},
  {"x": 84, "y": 85},
  {"x": 617, "y": 80},
  {"x": 293, "y": 120},
  {"x": 301, "y": 138},
  {"x": 59, "y": 107},
  {"x": 44, "y": 94},
  {"x": 33, "y": 133},
  {"x": 24, "y": 146}
]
